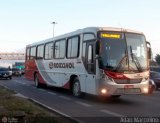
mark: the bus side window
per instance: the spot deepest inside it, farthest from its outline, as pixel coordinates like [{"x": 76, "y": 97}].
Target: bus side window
[
  {"x": 73, "y": 47},
  {"x": 28, "y": 53},
  {"x": 88, "y": 36},
  {"x": 48, "y": 51},
  {"x": 40, "y": 51},
  {"x": 33, "y": 53},
  {"x": 59, "y": 49}
]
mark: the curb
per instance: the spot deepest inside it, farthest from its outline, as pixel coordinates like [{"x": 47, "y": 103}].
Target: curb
[{"x": 55, "y": 111}]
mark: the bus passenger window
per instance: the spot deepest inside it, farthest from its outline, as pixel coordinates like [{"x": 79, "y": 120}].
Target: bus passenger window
[
  {"x": 40, "y": 51},
  {"x": 33, "y": 53},
  {"x": 48, "y": 51},
  {"x": 59, "y": 49},
  {"x": 73, "y": 47},
  {"x": 88, "y": 37},
  {"x": 27, "y": 54}
]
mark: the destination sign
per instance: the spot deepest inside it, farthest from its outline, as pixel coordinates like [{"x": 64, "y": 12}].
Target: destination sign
[{"x": 107, "y": 35}]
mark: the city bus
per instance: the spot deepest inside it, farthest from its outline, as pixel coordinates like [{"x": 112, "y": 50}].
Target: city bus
[{"x": 102, "y": 61}]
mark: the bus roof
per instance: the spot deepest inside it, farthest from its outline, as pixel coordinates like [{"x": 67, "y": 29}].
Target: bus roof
[{"x": 85, "y": 30}]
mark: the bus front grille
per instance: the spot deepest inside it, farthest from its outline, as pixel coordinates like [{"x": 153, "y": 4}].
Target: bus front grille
[{"x": 127, "y": 81}]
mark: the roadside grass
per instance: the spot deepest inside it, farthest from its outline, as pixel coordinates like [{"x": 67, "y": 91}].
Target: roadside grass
[{"x": 24, "y": 110}]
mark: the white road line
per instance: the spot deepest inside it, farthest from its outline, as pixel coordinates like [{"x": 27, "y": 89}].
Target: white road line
[
  {"x": 111, "y": 113},
  {"x": 64, "y": 97},
  {"x": 20, "y": 82},
  {"x": 21, "y": 95},
  {"x": 23, "y": 83},
  {"x": 51, "y": 93},
  {"x": 27, "y": 85},
  {"x": 84, "y": 104},
  {"x": 41, "y": 89}
]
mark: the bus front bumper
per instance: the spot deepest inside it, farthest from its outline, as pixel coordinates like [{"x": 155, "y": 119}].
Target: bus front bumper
[{"x": 111, "y": 88}]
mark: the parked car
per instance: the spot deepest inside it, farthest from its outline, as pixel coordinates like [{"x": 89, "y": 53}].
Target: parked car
[
  {"x": 155, "y": 76},
  {"x": 16, "y": 72},
  {"x": 5, "y": 73}
]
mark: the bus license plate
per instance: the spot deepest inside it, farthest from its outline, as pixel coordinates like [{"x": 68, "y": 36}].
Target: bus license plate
[{"x": 128, "y": 90}]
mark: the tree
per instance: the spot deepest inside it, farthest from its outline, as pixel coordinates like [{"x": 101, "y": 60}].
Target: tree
[{"x": 157, "y": 58}]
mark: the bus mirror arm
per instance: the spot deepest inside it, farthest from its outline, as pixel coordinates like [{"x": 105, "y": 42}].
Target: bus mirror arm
[
  {"x": 97, "y": 47},
  {"x": 97, "y": 57}
]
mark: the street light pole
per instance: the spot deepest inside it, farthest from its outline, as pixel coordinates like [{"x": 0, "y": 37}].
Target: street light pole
[{"x": 54, "y": 27}]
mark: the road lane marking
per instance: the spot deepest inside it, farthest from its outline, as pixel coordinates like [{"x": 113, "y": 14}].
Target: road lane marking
[
  {"x": 20, "y": 82},
  {"x": 21, "y": 95},
  {"x": 51, "y": 93},
  {"x": 27, "y": 85},
  {"x": 84, "y": 104},
  {"x": 64, "y": 97},
  {"x": 111, "y": 113},
  {"x": 41, "y": 89}
]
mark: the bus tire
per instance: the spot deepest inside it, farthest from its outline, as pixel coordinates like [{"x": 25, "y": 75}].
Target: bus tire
[
  {"x": 115, "y": 96},
  {"x": 76, "y": 89},
  {"x": 36, "y": 80}
]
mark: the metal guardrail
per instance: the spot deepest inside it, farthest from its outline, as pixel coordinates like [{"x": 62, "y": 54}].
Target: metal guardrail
[{"x": 12, "y": 56}]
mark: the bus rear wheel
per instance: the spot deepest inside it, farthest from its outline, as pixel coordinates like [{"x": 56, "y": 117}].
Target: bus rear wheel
[{"x": 76, "y": 89}]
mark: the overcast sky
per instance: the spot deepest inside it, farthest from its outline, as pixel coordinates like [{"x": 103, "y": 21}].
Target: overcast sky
[{"x": 26, "y": 21}]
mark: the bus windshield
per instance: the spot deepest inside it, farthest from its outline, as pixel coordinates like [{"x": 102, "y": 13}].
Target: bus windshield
[{"x": 123, "y": 52}]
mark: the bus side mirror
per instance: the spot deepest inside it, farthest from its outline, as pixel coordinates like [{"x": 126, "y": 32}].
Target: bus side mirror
[
  {"x": 149, "y": 52},
  {"x": 97, "y": 47}
]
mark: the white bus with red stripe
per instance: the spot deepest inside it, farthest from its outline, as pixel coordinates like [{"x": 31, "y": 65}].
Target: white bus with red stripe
[{"x": 94, "y": 60}]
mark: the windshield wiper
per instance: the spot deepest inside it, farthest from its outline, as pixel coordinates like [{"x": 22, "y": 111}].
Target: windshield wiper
[
  {"x": 135, "y": 60},
  {"x": 120, "y": 63}
]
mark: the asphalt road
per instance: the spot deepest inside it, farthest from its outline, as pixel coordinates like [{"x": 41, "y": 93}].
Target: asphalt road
[{"x": 89, "y": 109}]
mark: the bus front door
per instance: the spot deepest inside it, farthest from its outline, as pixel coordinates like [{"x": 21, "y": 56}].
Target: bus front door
[{"x": 90, "y": 67}]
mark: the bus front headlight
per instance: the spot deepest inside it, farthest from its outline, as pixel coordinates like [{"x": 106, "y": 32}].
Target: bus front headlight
[
  {"x": 103, "y": 91},
  {"x": 145, "y": 90}
]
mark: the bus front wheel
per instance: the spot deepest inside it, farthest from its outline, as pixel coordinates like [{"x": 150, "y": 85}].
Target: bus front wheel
[
  {"x": 37, "y": 84},
  {"x": 76, "y": 89}
]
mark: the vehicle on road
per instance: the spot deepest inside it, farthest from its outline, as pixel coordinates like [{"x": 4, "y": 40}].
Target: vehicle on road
[
  {"x": 5, "y": 73},
  {"x": 16, "y": 72},
  {"x": 94, "y": 60},
  {"x": 155, "y": 68},
  {"x": 152, "y": 86},
  {"x": 20, "y": 66},
  {"x": 155, "y": 76}
]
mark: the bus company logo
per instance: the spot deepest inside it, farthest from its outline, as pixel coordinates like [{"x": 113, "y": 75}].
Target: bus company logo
[
  {"x": 51, "y": 65},
  {"x": 4, "y": 119},
  {"x": 61, "y": 65}
]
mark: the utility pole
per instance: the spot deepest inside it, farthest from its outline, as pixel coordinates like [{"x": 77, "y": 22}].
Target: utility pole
[{"x": 54, "y": 23}]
